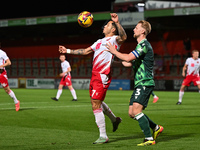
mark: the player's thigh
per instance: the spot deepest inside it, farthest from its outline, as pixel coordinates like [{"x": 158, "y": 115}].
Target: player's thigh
[
  {"x": 98, "y": 89},
  {"x": 187, "y": 81},
  {"x": 4, "y": 80},
  {"x": 196, "y": 81},
  {"x": 7, "y": 89},
  {"x": 141, "y": 95},
  {"x": 68, "y": 80},
  {"x": 98, "y": 92},
  {"x": 70, "y": 87},
  {"x": 130, "y": 111},
  {"x": 62, "y": 82}
]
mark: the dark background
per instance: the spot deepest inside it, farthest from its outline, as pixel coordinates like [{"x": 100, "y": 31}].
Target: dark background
[
  {"x": 17, "y": 9},
  {"x": 30, "y": 8}
]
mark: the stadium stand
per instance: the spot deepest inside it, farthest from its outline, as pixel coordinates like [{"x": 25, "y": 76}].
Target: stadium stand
[{"x": 33, "y": 58}]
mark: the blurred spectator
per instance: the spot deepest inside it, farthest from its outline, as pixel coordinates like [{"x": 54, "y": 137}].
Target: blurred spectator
[
  {"x": 132, "y": 8},
  {"x": 187, "y": 45},
  {"x": 120, "y": 10}
]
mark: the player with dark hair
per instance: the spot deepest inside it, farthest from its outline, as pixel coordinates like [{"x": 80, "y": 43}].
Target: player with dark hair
[
  {"x": 141, "y": 59},
  {"x": 101, "y": 73}
]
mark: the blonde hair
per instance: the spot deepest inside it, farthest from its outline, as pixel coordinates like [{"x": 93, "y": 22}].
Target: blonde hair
[
  {"x": 194, "y": 51},
  {"x": 146, "y": 25}
]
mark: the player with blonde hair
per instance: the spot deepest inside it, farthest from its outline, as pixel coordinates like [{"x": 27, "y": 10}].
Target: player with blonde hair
[{"x": 141, "y": 59}]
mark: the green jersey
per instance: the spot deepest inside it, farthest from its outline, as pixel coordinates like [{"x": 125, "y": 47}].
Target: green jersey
[{"x": 143, "y": 65}]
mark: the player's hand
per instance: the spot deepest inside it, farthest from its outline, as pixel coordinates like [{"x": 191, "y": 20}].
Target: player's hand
[
  {"x": 114, "y": 17},
  {"x": 126, "y": 64},
  {"x": 62, "y": 74},
  {"x": 111, "y": 48},
  {"x": 62, "y": 49},
  {"x": 183, "y": 74}
]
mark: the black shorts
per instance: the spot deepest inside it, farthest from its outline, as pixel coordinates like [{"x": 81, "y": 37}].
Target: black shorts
[{"x": 141, "y": 95}]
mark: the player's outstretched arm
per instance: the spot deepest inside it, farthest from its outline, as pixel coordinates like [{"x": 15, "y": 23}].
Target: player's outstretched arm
[
  {"x": 86, "y": 51},
  {"x": 122, "y": 34}
]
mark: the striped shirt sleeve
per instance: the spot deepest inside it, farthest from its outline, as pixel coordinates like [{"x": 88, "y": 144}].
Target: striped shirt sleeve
[{"x": 136, "y": 53}]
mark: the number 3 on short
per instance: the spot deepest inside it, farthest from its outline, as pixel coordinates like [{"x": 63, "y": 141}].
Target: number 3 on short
[
  {"x": 137, "y": 92},
  {"x": 93, "y": 91}
]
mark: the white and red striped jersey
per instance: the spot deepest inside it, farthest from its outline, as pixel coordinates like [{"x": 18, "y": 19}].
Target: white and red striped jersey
[
  {"x": 102, "y": 58},
  {"x": 193, "y": 66},
  {"x": 65, "y": 65},
  {"x": 3, "y": 58}
]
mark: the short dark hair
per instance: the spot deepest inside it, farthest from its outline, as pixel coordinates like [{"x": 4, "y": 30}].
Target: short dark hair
[
  {"x": 113, "y": 24},
  {"x": 116, "y": 29}
]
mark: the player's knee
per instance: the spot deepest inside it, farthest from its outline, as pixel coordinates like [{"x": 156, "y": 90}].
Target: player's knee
[
  {"x": 94, "y": 107},
  {"x": 70, "y": 87},
  {"x": 131, "y": 115},
  {"x": 96, "y": 104},
  {"x": 7, "y": 90}
]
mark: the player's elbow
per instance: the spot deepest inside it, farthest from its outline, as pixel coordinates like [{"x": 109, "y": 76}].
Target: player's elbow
[
  {"x": 85, "y": 53},
  {"x": 8, "y": 62},
  {"x": 129, "y": 57},
  {"x": 124, "y": 38}
]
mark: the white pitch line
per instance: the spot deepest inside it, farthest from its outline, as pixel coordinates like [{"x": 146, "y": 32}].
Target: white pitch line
[
  {"x": 22, "y": 103},
  {"x": 54, "y": 107},
  {"x": 46, "y": 107}
]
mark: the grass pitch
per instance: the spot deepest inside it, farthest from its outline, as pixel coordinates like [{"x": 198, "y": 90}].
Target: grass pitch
[{"x": 44, "y": 124}]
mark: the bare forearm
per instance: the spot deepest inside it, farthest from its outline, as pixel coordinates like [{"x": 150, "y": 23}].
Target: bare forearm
[
  {"x": 122, "y": 56},
  {"x": 184, "y": 69},
  {"x": 68, "y": 70},
  {"x": 121, "y": 32},
  {"x": 78, "y": 52}
]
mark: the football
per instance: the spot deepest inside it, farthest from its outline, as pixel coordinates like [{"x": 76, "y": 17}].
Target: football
[{"x": 85, "y": 19}]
